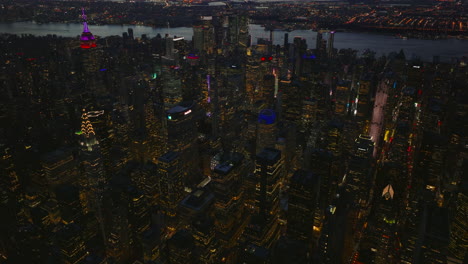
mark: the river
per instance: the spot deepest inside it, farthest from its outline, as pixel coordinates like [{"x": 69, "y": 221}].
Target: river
[{"x": 380, "y": 43}]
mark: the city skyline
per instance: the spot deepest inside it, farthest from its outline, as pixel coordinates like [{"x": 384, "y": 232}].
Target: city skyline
[{"x": 219, "y": 149}]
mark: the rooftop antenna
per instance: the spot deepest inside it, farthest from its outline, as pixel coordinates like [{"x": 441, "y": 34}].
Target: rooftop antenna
[{"x": 85, "y": 24}]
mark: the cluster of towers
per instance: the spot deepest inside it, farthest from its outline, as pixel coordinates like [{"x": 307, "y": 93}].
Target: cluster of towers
[{"x": 222, "y": 150}]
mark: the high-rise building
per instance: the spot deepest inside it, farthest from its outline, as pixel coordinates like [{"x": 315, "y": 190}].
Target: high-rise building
[
  {"x": 458, "y": 232},
  {"x": 331, "y": 40},
  {"x": 229, "y": 193},
  {"x": 203, "y": 36},
  {"x": 182, "y": 137},
  {"x": 87, "y": 39},
  {"x": 309, "y": 113},
  {"x": 195, "y": 205},
  {"x": 291, "y": 101},
  {"x": 266, "y": 129},
  {"x": 90, "y": 57},
  {"x": 267, "y": 90},
  {"x": 205, "y": 240},
  {"x": 94, "y": 180},
  {"x": 263, "y": 228},
  {"x": 71, "y": 243},
  {"x": 60, "y": 166},
  {"x": 342, "y": 95},
  {"x": 303, "y": 199},
  {"x": 68, "y": 199},
  {"x": 181, "y": 247},
  {"x": 318, "y": 44},
  {"x": 172, "y": 85},
  {"x": 171, "y": 186},
  {"x": 435, "y": 235}
]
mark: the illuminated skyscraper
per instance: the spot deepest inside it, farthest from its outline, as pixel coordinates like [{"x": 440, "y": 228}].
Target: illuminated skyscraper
[
  {"x": 303, "y": 199},
  {"x": 182, "y": 137},
  {"x": 60, "y": 166},
  {"x": 93, "y": 182},
  {"x": 87, "y": 39},
  {"x": 309, "y": 113},
  {"x": 263, "y": 229},
  {"x": 90, "y": 54},
  {"x": 229, "y": 203},
  {"x": 171, "y": 186},
  {"x": 205, "y": 240},
  {"x": 266, "y": 129},
  {"x": 71, "y": 243},
  {"x": 458, "y": 232},
  {"x": 291, "y": 101},
  {"x": 267, "y": 90},
  {"x": 172, "y": 86},
  {"x": 238, "y": 31},
  {"x": 203, "y": 36},
  {"x": 342, "y": 95},
  {"x": 359, "y": 174}
]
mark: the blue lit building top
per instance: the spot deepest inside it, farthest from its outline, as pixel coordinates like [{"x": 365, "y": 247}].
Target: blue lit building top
[
  {"x": 223, "y": 168},
  {"x": 267, "y": 116}
]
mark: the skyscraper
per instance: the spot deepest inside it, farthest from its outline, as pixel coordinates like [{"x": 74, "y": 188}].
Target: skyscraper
[
  {"x": 331, "y": 40},
  {"x": 87, "y": 39},
  {"x": 171, "y": 185},
  {"x": 263, "y": 228},
  {"x": 94, "y": 180},
  {"x": 182, "y": 137},
  {"x": 229, "y": 194},
  {"x": 303, "y": 199},
  {"x": 266, "y": 129}
]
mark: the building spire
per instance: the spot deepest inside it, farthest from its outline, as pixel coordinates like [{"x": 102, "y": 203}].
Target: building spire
[
  {"x": 86, "y": 126},
  {"x": 85, "y": 24},
  {"x": 87, "y": 132},
  {"x": 87, "y": 38}
]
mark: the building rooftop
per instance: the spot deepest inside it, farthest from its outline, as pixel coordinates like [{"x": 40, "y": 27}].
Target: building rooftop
[
  {"x": 198, "y": 199},
  {"x": 259, "y": 253},
  {"x": 203, "y": 224},
  {"x": 269, "y": 154},
  {"x": 181, "y": 107},
  {"x": 305, "y": 178},
  {"x": 183, "y": 239},
  {"x": 169, "y": 156},
  {"x": 267, "y": 116},
  {"x": 224, "y": 168},
  {"x": 437, "y": 223},
  {"x": 56, "y": 155}
]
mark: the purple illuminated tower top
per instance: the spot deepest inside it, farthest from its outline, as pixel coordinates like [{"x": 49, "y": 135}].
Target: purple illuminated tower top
[
  {"x": 85, "y": 25},
  {"x": 87, "y": 38}
]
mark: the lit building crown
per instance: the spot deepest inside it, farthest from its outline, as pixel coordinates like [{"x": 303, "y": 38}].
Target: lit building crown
[
  {"x": 87, "y": 38},
  {"x": 388, "y": 192},
  {"x": 87, "y": 131}
]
